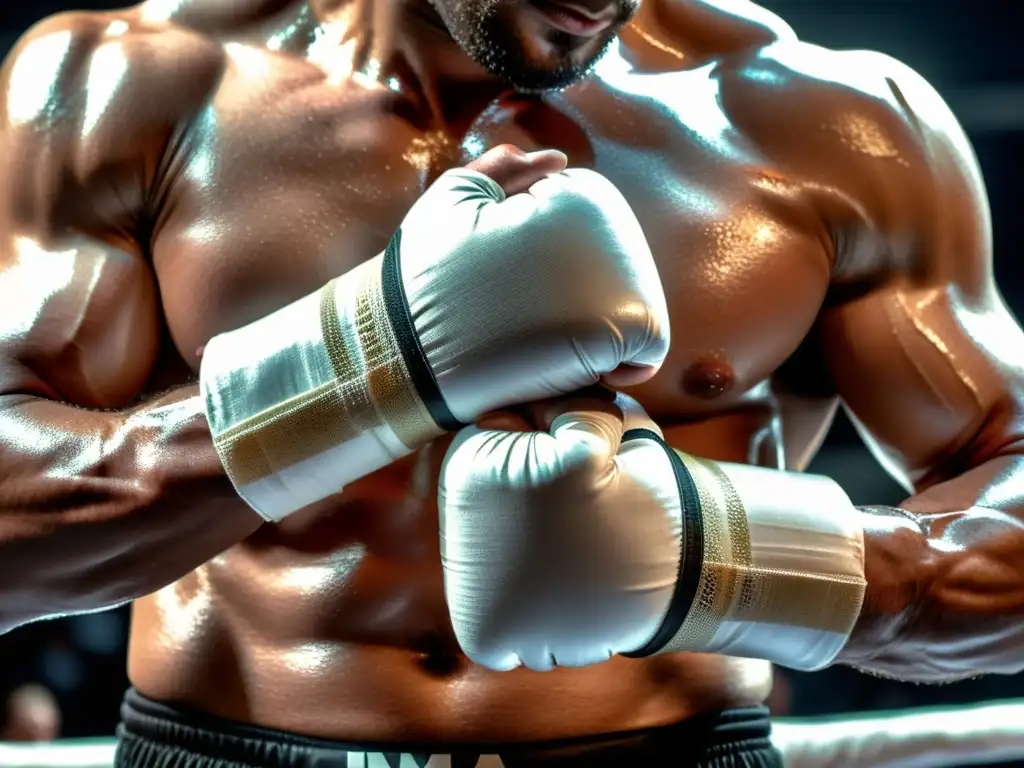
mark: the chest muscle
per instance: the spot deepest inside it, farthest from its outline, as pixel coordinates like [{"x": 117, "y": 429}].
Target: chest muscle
[{"x": 279, "y": 193}]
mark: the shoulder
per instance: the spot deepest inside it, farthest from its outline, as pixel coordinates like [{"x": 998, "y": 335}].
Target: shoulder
[
  {"x": 865, "y": 100},
  {"x": 221, "y": 17},
  {"x": 99, "y": 55},
  {"x": 875, "y": 140},
  {"x": 697, "y": 32},
  {"x": 84, "y": 93},
  {"x": 794, "y": 100}
]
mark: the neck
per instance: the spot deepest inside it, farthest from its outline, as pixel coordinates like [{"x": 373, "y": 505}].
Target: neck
[{"x": 405, "y": 43}]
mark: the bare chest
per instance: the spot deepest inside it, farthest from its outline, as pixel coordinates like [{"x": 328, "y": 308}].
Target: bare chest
[{"x": 280, "y": 187}]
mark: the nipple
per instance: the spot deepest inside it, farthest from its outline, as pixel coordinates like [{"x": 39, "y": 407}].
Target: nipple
[{"x": 708, "y": 378}]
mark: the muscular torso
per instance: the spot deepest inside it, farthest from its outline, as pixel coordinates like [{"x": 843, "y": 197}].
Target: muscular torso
[{"x": 334, "y": 623}]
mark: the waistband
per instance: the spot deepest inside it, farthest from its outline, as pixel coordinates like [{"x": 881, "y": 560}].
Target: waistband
[{"x": 152, "y": 733}]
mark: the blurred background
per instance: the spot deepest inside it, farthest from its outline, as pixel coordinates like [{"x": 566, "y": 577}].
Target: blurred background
[{"x": 66, "y": 677}]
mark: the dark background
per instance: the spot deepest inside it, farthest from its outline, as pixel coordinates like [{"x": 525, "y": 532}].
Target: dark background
[{"x": 970, "y": 50}]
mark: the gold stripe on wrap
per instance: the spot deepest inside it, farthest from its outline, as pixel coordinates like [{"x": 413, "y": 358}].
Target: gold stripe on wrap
[
  {"x": 733, "y": 588},
  {"x": 390, "y": 386},
  {"x": 726, "y": 555},
  {"x": 307, "y": 424},
  {"x": 280, "y": 437},
  {"x": 822, "y": 602},
  {"x": 348, "y": 363},
  {"x": 371, "y": 388}
]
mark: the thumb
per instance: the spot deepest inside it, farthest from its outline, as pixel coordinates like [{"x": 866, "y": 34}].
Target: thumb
[
  {"x": 516, "y": 171},
  {"x": 634, "y": 416},
  {"x": 458, "y": 195},
  {"x": 589, "y": 436}
]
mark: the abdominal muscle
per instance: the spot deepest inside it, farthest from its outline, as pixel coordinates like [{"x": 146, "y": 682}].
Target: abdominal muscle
[{"x": 333, "y": 625}]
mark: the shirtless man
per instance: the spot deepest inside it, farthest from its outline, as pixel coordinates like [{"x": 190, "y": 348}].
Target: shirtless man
[{"x": 180, "y": 170}]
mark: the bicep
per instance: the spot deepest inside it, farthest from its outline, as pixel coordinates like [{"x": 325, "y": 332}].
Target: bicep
[
  {"x": 80, "y": 322},
  {"x": 930, "y": 361},
  {"x": 930, "y": 375}
]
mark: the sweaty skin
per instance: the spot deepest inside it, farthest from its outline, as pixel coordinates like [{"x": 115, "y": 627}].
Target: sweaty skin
[{"x": 182, "y": 168}]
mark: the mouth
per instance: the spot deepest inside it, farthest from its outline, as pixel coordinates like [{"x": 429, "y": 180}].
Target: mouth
[{"x": 573, "y": 18}]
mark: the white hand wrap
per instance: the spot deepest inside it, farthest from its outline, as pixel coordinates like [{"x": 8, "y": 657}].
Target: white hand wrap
[
  {"x": 772, "y": 566},
  {"x": 314, "y": 396}
]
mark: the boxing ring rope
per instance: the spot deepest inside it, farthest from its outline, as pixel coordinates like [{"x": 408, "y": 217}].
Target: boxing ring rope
[
  {"x": 92, "y": 753},
  {"x": 918, "y": 738},
  {"x": 939, "y": 737}
]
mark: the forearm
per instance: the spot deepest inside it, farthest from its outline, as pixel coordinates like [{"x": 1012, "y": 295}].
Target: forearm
[
  {"x": 945, "y": 577},
  {"x": 932, "y": 591},
  {"x": 97, "y": 508}
]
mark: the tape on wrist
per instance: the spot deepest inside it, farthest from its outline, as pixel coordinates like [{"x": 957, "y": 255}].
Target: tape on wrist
[
  {"x": 760, "y": 583},
  {"x": 322, "y": 392}
]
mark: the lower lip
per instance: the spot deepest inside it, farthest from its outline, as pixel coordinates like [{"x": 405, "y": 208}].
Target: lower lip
[{"x": 569, "y": 21}]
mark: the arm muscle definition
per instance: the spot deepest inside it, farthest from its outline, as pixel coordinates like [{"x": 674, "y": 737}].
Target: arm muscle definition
[
  {"x": 101, "y": 501},
  {"x": 926, "y": 357}
]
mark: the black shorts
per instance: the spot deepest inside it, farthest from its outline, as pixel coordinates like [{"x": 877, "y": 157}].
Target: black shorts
[{"x": 153, "y": 735}]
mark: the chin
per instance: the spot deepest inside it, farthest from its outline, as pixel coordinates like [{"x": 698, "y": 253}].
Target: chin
[
  {"x": 554, "y": 60},
  {"x": 521, "y": 43}
]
